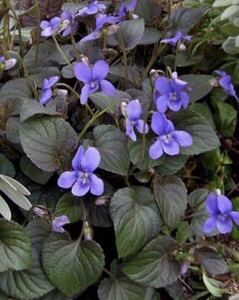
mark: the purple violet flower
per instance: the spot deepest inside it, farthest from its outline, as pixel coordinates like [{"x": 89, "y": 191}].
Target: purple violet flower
[
  {"x": 221, "y": 215},
  {"x": 169, "y": 140},
  {"x": 170, "y": 93},
  {"x": 133, "y": 121},
  {"x": 69, "y": 25},
  {"x": 47, "y": 89},
  {"x": 126, "y": 7},
  {"x": 175, "y": 39},
  {"x": 93, "y": 79},
  {"x": 225, "y": 82},
  {"x": 58, "y": 223},
  {"x": 103, "y": 20},
  {"x": 82, "y": 179},
  {"x": 92, "y": 8},
  {"x": 51, "y": 27},
  {"x": 184, "y": 267}
]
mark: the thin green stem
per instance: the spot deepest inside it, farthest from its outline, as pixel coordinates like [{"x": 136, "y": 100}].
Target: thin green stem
[
  {"x": 61, "y": 52},
  {"x": 92, "y": 120}
]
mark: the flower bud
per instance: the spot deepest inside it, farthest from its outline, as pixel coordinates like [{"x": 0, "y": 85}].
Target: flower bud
[
  {"x": 182, "y": 47},
  {"x": 39, "y": 212},
  {"x": 124, "y": 108},
  {"x": 87, "y": 231},
  {"x": 112, "y": 29},
  {"x": 10, "y": 63}
]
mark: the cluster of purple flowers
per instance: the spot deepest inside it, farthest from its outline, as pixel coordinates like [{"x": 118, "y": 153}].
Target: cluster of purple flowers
[{"x": 66, "y": 23}]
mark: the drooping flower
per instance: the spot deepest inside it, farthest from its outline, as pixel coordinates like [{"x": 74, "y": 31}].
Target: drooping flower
[
  {"x": 170, "y": 93},
  {"x": 47, "y": 85},
  {"x": 51, "y": 27},
  {"x": 169, "y": 140},
  {"x": 179, "y": 37},
  {"x": 91, "y": 9},
  {"x": 221, "y": 215},
  {"x": 7, "y": 64},
  {"x": 58, "y": 223},
  {"x": 225, "y": 82},
  {"x": 133, "y": 121},
  {"x": 82, "y": 179},
  {"x": 103, "y": 20},
  {"x": 68, "y": 23},
  {"x": 93, "y": 79},
  {"x": 126, "y": 7}
]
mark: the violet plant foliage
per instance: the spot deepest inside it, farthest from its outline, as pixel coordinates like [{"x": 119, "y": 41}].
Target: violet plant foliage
[{"x": 134, "y": 149}]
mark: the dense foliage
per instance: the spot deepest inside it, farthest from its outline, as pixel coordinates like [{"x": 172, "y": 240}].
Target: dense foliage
[{"x": 119, "y": 150}]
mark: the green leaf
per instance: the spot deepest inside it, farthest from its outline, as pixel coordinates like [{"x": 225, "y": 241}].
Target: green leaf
[
  {"x": 33, "y": 172},
  {"x": 229, "y": 12},
  {"x": 72, "y": 265},
  {"x": 135, "y": 217},
  {"x": 212, "y": 285},
  {"x": 213, "y": 263},
  {"x": 69, "y": 205},
  {"x": 135, "y": 149},
  {"x": 31, "y": 283},
  {"x": 120, "y": 289},
  {"x": 15, "y": 247},
  {"x": 14, "y": 93},
  {"x": 129, "y": 34},
  {"x": 6, "y": 166},
  {"x": 55, "y": 295},
  {"x": 196, "y": 200},
  {"x": 102, "y": 101},
  {"x": 151, "y": 35},
  {"x": 47, "y": 55},
  {"x": 33, "y": 108},
  {"x": 203, "y": 109},
  {"x": 111, "y": 143},
  {"x": 171, "y": 196},
  {"x": 204, "y": 137},
  {"x": 153, "y": 266},
  {"x": 184, "y": 19},
  {"x": 220, "y": 3},
  {"x": 229, "y": 46},
  {"x": 172, "y": 164},
  {"x": 4, "y": 209},
  {"x": 48, "y": 141},
  {"x": 145, "y": 10},
  {"x": 226, "y": 118},
  {"x": 175, "y": 290},
  {"x": 199, "y": 85},
  {"x": 15, "y": 191}
]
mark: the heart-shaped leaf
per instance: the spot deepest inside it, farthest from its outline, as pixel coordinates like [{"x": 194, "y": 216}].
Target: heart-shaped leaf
[
  {"x": 48, "y": 141},
  {"x": 111, "y": 143},
  {"x": 153, "y": 266},
  {"x": 72, "y": 266},
  {"x": 15, "y": 247},
  {"x": 136, "y": 219}
]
